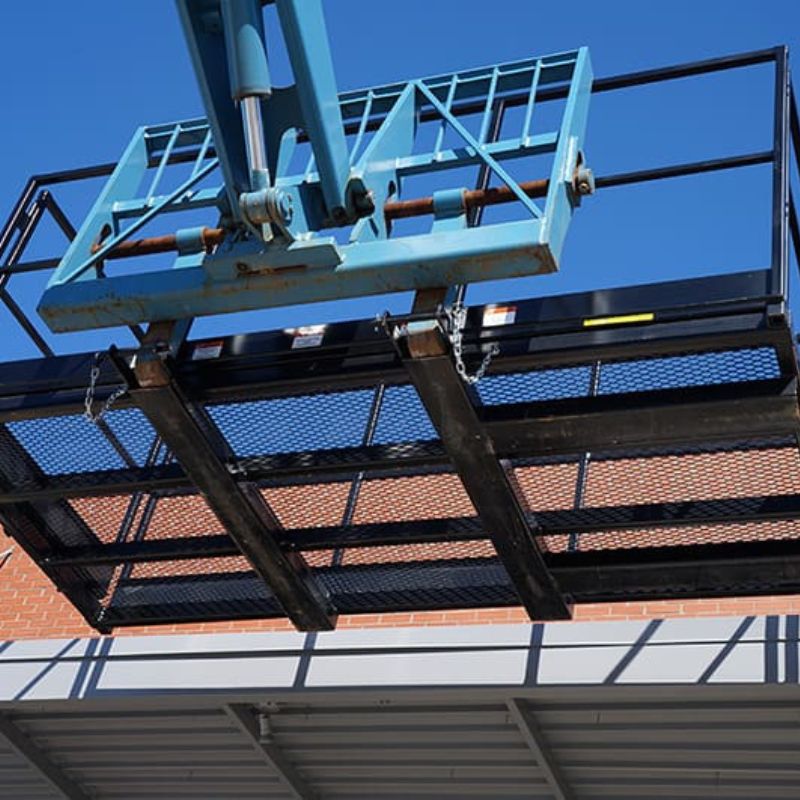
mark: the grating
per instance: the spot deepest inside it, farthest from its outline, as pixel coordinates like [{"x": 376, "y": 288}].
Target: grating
[
  {"x": 535, "y": 386},
  {"x": 684, "y": 476},
  {"x": 73, "y": 444},
  {"x": 308, "y": 505},
  {"x": 466, "y": 583},
  {"x": 294, "y": 424},
  {"x": 433, "y": 495},
  {"x": 402, "y": 418},
  {"x": 415, "y": 553},
  {"x": 684, "y": 536},
  {"x": 404, "y": 534},
  {"x": 697, "y": 369},
  {"x": 640, "y": 375}
]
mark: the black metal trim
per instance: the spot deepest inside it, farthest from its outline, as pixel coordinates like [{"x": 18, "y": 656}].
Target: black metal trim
[{"x": 780, "y": 175}]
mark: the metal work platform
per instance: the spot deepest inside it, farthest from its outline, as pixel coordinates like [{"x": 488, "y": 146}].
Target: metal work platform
[{"x": 625, "y": 443}]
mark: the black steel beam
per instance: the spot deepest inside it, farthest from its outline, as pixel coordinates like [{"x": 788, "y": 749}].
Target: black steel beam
[
  {"x": 564, "y": 522},
  {"x": 547, "y": 332},
  {"x": 688, "y": 69},
  {"x": 794, "y": 228},
  {"x": 299, "y": 539},
  {"x": 159, "y": 479},
  {"x": 451, "y": 409},
  {"x": 197, "y": 444},
  {"x": 63, "y": 222},
  {"x": 325, "y": 465},
  {"x": 676, "y": 514},
  {"x": 683, "y": 170},
  {"x": 13, "y": 221},
  {"x": 755, "y": 568},
  {"x": 646, "y": 426}
]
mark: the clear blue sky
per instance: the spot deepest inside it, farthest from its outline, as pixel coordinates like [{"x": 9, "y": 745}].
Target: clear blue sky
[{"x": 81, "y": 76}]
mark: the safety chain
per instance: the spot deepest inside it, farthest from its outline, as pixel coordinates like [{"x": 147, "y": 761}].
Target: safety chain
[
  {"x": 457, "y": 317},
  {"x": 88, "y": 402}
]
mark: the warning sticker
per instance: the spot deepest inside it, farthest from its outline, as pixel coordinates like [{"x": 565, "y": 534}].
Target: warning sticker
[
  {"x": 205, "y": 350},
  {"x": 499, "y": 315},
  {"x": 309, "y": 336}
]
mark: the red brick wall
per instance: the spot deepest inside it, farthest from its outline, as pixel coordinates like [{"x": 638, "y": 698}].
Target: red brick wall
[{"x": 30, "y": 608}]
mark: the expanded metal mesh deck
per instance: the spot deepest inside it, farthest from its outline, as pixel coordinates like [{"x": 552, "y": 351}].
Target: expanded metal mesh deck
[{"x": 697, "y": 493}]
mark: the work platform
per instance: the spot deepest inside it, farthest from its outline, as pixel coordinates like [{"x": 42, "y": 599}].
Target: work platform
[{"x": 627, "y": 443}]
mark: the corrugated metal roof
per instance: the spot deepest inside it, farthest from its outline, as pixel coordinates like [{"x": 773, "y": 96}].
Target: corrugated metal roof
[
  {"x": 169, "y": 753},
  {"x": 657, "y": 742},
  {"x": 19, "y": 780}
]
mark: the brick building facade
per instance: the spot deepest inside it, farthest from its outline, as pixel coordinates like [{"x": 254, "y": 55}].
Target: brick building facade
[{"x": 31, "y": 608}]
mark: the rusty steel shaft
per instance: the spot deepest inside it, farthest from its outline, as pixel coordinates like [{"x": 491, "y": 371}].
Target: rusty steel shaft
[
  {"x": 401, "y": 209},
  {"x": 474, "y": 198},
  {"x": 211, "y": 237}
]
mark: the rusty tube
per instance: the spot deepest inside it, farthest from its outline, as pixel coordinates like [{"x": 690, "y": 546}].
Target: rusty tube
[
  {"x": 400, "y": 209},
  {"x": 474, "y": 198},
  {"x": 211, "y": 237}
]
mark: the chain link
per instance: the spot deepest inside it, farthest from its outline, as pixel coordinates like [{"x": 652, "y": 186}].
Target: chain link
[
  {"x": 457, "y": 317},
  {"x": 88, "y": 402}
]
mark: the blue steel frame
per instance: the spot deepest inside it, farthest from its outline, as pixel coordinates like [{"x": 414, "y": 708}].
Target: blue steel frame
[{"x": 306, "y": 265}]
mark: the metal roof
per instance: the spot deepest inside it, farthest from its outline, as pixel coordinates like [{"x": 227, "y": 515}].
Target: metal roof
[
  {"x": 658, "y": 744},
  {"x": 677, "y": 708},
  {"x": 19, "y": 779}
]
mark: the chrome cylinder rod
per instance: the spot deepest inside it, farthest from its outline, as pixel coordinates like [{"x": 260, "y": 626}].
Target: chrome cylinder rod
[{"x": 254, "y": 142}]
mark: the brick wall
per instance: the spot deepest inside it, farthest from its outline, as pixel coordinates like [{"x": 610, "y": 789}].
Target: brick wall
[{"x": 30, "y": 608}]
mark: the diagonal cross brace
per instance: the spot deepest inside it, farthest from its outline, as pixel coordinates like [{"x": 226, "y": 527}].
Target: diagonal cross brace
[
  {"x": 245, "y": 720},
  {"x": 537, "y": 743},
  {"x": 199, "y": 446},
  {"x": 38, "y": 759},
  {"x": 452, "y": 410},
  {"x": 480, "y": 150}
]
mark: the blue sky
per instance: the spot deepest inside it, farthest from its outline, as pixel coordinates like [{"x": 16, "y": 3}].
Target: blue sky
[{"x": 80, "y": 77}]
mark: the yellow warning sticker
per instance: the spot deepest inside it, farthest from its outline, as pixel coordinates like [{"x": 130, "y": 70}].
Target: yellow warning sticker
[{"x": 625, "y": 319}]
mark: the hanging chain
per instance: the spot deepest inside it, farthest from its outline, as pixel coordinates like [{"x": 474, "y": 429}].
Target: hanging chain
[
  {"x": 88, "y": 402},
  {"x": 457, "y": 317}
]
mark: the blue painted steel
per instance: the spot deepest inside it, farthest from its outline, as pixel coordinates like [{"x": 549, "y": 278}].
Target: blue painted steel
[
  {"x": 449, "y": 211},
  {"x": 413, "y": 262},
  {"x": 140, "y": 222},
  {"x": 190, "y": 240},
  {"x": 479, "y": 150},
  {"x": 303, "y": 27},
  {"x": 561, "y": 200},
  {"x": 202, "y": 27},
  {"x": 389, "y": 145},
  {"x": 244, "y": 41}
]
